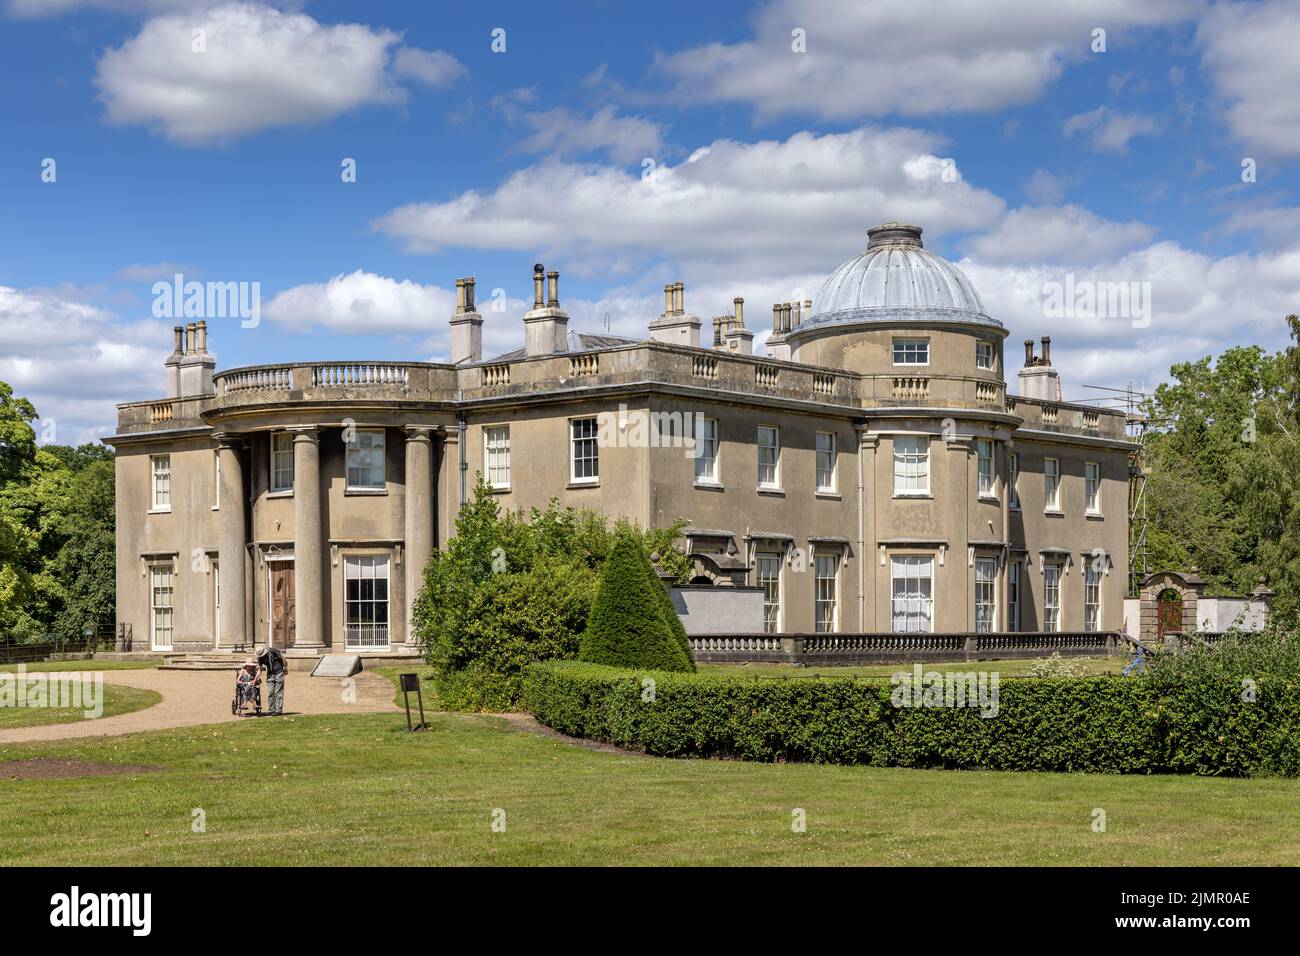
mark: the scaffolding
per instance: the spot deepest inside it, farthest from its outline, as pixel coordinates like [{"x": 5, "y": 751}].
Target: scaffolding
[{"x": 1136, "y": 426}]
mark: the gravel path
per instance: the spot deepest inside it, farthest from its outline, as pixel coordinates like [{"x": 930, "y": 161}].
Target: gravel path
[{"x": 203, "y": 697}]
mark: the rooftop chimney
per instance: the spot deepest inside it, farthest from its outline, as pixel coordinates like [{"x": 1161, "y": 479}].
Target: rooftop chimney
[
  {"x": 190, "y": 365},
  {"x": 466, "y": 325},
  {"x": 546, "y": 327},
  {"x": 1038, "y": 379},
  {"x": 777, "y": 347},
  {"x": 738, "y": 338},
  {"x": 676, "y": 326}
]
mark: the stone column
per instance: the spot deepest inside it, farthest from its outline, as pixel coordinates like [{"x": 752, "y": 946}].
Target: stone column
[
  {"x": 418, "y": 533},
  {"x": 231, "y": 546},
  {"x": 308, "y": 552}
]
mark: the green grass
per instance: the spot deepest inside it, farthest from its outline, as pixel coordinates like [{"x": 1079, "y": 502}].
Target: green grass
[
  {"x": 117, "y": 700},
  {"x": 1007, "y": 668},
  {"x": 357, "y": 789}
]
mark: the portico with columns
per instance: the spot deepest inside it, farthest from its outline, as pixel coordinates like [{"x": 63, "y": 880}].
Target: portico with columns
[{"x": 330, "y": 551}]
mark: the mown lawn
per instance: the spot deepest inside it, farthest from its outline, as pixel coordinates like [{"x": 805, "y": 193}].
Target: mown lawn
[
  {"x": 117, "y": 700},
  {"x": 357, "y": 789}
]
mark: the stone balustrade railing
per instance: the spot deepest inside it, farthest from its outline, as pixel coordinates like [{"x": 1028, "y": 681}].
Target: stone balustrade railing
[
  {"x": 887, "y": 648},
  {"x": 349, "y": 375},
  {"x": 272, "y": 377}
]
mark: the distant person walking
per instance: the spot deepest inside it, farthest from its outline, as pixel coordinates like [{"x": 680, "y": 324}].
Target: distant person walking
[{"x": 272, "y": 661}]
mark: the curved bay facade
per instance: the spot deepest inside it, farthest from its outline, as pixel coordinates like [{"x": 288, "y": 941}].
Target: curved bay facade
[{"x": 871, "y": 473}]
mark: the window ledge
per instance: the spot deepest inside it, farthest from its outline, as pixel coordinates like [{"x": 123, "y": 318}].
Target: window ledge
[
  {"x": 990, "y": 499},
  {"x": 773, "y": 492},
  {"x": 282, "y": 493},
  {"x": 160, "y": 511},
  {"x": 1054, "y": 512},
  {"x": 829, "y": 495},
  {"x": 920, "y": 496},
  {"x": 365, "y": 492},
  {"x": 710, "y": 486},
  {"x": 500, "y": 489},
  {"x": 582, "y": 484},
  {"x": 1094, "y": 515}
]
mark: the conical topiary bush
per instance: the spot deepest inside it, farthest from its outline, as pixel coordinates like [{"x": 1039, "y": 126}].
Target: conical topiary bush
[
  {"x": 669, "y": 612},
  {"x": 627, "y": 626}
]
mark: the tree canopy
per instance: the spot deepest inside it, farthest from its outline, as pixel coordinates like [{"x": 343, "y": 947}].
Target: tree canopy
[{"x": 1223, "y": 451}]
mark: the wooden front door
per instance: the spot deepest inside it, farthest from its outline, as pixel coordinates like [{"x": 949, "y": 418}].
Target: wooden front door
[
  {"x": 282, "y": 611},
  {"x": 1169, "y": 613}
]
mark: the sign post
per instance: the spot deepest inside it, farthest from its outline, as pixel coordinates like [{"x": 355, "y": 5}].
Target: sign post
[{"x": 411, "y": 682}]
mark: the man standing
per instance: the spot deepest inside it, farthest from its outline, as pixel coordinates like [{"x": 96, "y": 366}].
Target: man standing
[{"x": 272, "y": 662}]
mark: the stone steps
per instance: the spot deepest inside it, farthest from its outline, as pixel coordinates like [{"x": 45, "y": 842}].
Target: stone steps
[{"x": 202, "y": 662}]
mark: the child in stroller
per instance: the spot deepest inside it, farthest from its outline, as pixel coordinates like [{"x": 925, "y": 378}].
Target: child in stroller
[{"x": 248, "y": 689}]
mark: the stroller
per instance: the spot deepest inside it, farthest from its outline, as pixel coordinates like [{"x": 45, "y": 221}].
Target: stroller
[{"x": 248, "y": 690}]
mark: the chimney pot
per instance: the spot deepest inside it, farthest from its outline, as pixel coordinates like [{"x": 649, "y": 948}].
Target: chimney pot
[
  {"x": 668, "y": 298},
  {"x": 553, "y": 289},
  {"x": 190, "y": 333},
  {"x": 739, "y": 303},
  {"x": 1029, "y": 352},
  {"x": 539, "y": 273},
  {"x": 460, "y": 296},
  {"x": 202, "y": 344},
  {"x": 717, "y": 332},
  {"x": 469, "y": 294},
  {"x": 1047, "y": 350},
  {"x": 179, "y": 332},
  {"x": 679, "y": 293}
]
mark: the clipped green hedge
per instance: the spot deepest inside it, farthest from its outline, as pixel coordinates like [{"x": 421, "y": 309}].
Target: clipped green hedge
[{"x": 1096, "y": 724}]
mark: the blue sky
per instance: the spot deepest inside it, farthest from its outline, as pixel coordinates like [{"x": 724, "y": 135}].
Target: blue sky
[{"x": 1024, "y": 153}]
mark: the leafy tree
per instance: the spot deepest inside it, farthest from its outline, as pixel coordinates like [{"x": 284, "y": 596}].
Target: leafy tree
[
  {"x": 1224, "y": 491},
  {"x": 509, "y": 590},
  {"x": 56, "y": 531},
  {"x": 628, "y": 626}
]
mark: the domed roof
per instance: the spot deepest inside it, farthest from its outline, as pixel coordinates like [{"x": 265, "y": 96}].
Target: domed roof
[{"x": 896, "y": 279}]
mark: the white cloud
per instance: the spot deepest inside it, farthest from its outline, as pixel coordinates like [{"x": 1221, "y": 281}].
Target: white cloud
[
  {"x": 1062, "y": 233},
  {"x": 75, "y": 360},
  {"x": 564, "y": 132},
  {"x": 1108, "y": 131},
  {"x": 361, "y": 303},
  {"x": 1200, "y": 305},
  {"x": 1249, "y": 51},
  {"x": 367, "y": 304},
  {"x": 1047, "y": 189},
  {"x": 434, "y": 69},
  {"x": 259, "y": 68},
  {"x": 916, "y": 58},
  {"x": 755, "y": 208}
]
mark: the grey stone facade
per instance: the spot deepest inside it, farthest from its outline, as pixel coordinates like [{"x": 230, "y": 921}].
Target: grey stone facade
[{"x": 289, "y": 486}]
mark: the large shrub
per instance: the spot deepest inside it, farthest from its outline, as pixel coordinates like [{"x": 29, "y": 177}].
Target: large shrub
[
  {"x": 510, "y": 590},
  {"x": 1106, "y": 724},
  {"x": 628, "y": 625}
]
